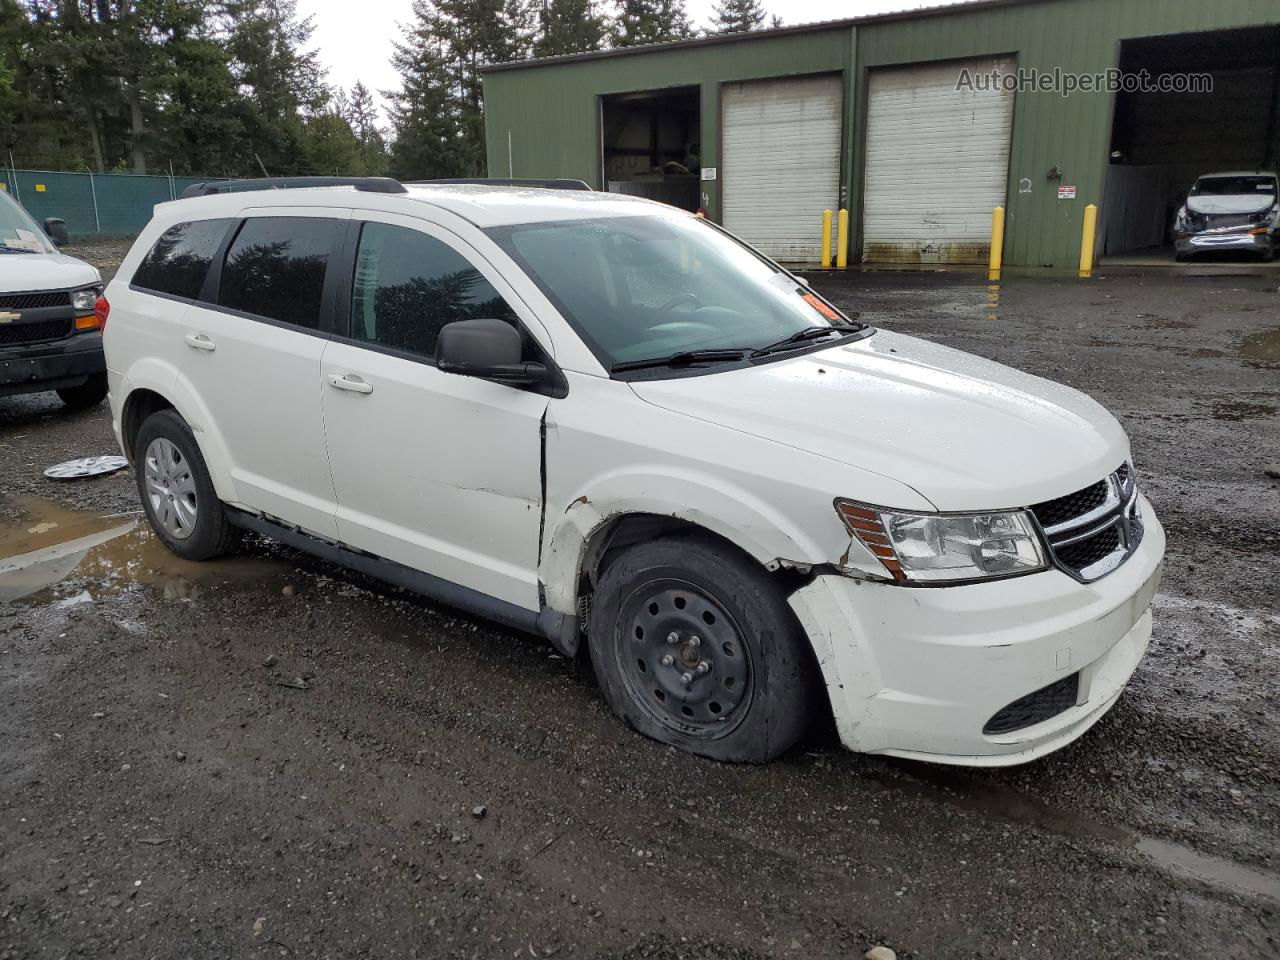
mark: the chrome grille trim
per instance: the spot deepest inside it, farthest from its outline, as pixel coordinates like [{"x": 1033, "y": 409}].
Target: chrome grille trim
[{"x": 1118, "y": 512}]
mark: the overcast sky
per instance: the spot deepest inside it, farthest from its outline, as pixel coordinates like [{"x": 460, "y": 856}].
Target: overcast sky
[{"x": 354, "y": 37}]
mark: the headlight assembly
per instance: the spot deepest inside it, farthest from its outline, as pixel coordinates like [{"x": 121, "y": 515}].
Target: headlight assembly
[
  {"x": 83, "y": 300},
  {"x": 934, "y": 548}
]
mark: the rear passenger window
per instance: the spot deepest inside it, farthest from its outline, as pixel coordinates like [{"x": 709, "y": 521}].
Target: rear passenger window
[
  {"x": 275, "y": 268},
  {"x": 408, "y": 285},
  {"x": 180, "y": 259}
]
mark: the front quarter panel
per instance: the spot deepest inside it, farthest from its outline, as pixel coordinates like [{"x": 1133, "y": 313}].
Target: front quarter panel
[{"x": 610, "y": 454}]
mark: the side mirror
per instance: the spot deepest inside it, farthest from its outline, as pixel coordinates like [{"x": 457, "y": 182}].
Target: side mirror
[
  {"x": 487, "y": 349},
  {"x": 56, "y": 230}
]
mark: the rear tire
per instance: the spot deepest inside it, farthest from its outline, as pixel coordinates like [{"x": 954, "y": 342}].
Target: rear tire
[
  {"x": 89, "y": 394},
  {"x": 736, "y": 683},
  {"x": 176, "y": 490}
]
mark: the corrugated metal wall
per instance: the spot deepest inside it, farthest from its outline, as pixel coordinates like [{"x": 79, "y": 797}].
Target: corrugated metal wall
[
  {"x": 1049, "y": 130},
  {"x": 550, "y": 112},
  {"x": 550, "y": 115}
]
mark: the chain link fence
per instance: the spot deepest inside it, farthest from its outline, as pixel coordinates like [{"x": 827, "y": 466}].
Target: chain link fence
[{"x": 93, "y": 204}]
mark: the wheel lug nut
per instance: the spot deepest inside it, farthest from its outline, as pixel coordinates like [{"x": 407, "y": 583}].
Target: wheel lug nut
[
  {"x": 686, "y": 678},
  {"x": 695, "y": 641},
  {"x": 703, "y": 667},
  {"x": 673, "y": 637},
  {"x": 668, "y": 660}
]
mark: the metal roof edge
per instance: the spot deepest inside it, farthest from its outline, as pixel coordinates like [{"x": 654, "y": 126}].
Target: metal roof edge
[{"x": 821, "y": 26}]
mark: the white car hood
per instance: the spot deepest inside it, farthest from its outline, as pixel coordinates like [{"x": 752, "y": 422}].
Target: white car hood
[
  {"x": 1231, "y": 203},
  {"x": 20, "y": 272},
  {"x": 967, "y": 433}
]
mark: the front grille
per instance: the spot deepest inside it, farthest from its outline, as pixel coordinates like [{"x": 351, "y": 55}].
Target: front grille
[
  {"x": 1052, "y": 512},
  {"x": 1036, "y": 707},
  {"x": 34, "y": 332},
  {"x": 1088, "y": 552},
  {"x": 1094, "y": 530},
  {"x": 32, "y": 301}
]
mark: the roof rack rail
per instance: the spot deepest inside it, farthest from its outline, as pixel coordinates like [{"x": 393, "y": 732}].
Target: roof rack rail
[
  {"x": 367, "y": 184},
  {"x": 559, "y": 184}
]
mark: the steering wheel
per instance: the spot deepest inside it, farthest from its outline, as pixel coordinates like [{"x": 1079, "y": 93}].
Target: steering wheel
[{"x": 671, "y": 304}]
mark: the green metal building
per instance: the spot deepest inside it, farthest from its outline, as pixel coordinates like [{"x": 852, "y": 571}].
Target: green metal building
[{"x": 918, "y": 123}]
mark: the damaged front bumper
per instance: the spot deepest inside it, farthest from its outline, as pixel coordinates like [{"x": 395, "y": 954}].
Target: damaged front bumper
[
  {"x": 940, "y": 673},
  {"x": 1251, "y": 239}
]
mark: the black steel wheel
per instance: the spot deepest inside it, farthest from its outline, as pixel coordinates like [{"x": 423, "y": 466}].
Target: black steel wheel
[
  {"x": 686, "y": 662},
  {"x": 694, "y": 645}
]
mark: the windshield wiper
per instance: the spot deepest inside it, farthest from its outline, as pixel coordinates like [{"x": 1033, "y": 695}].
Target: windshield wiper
[
  {"x": 684, "y": 358},
  {"x": 801, "y": 336},
  {"x": 4, "y": 249}
]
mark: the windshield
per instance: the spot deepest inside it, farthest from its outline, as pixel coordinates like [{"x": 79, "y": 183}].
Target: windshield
[
  {"x": 638, "y": 288},
  {"x": 17, "y": 230},
  {"x": 1234, "y": 186}
]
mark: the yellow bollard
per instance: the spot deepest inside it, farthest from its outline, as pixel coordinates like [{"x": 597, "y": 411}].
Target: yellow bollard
[
  {"x": 1087, "y": 240},
  {"x": 997, "y": 243},
  {"x": 826, "y": 239},
  {"x": 842, "y": 240}
]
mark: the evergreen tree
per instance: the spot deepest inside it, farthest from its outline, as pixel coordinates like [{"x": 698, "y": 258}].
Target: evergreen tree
[
  {"x": 205, "y": 87},
  {"x": 650, "y": 21},
  {"x": 362, "y": 116},
  {"x": 440, "y": 60},
  {"x": 568, "y": 26},
  {"x": 424, "y": 111},
  {"x": 282, "y": 82},
  {"x": 738, "y": 16}
]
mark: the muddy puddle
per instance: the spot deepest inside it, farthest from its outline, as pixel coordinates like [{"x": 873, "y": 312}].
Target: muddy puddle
[
  {"x": 52, "y": 554},
  {"x": 1262, "y": 349}
]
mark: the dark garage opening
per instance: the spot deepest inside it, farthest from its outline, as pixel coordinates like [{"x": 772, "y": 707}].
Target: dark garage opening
[
  {"x": 650, "y": 145},
  {"x": 1161, "y": 142}
]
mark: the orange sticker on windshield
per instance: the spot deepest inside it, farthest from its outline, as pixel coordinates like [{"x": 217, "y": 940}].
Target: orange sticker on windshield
[{"x": 822, "y": 308}]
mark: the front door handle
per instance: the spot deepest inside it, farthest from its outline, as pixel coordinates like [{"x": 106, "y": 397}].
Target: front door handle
[
  {"x": 343, "y": 381},
  {"x": 200, "y": 342}
]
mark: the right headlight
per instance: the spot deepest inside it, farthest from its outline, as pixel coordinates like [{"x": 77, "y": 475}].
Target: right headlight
[{"x": 936, "y": 548}]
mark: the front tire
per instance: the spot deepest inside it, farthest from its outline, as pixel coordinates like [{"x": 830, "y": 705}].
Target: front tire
[
  {"x": 176, "y": 490},
  {"x": 88, "y": 394},
  {"x": 694, "y": 645}
]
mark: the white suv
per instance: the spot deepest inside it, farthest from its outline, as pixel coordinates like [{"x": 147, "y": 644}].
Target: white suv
[{"x": 581, "y": 413}]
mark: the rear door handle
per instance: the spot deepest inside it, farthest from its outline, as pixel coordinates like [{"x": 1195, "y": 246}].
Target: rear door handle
[
  {"x": 343, "y": 381},
  {"x": 200, "y": 342}
]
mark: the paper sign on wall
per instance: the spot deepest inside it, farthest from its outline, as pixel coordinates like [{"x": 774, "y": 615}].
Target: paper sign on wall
[
  {"x": 708, "y": 173},
  {"x": 1066, "y": 193}
]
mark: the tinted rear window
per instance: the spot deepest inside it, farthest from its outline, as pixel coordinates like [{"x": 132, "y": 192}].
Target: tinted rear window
[
  {"x": 180, "y": 259},
  {"x": 275, "y": 268}
]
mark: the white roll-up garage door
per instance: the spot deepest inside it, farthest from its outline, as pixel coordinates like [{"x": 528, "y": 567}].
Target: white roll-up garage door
[
  {"x": 937, "y": 162},
  {"x": 780, "y": 164}
]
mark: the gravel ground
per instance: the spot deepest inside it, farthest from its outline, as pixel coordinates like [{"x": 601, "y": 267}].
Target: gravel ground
[
  {"x": 105, "y": 253},
  {"x": 268, "y": 757}
]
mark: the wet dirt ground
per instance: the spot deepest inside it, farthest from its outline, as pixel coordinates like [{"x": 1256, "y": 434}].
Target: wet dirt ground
[{"x": 266, "y": 757}]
